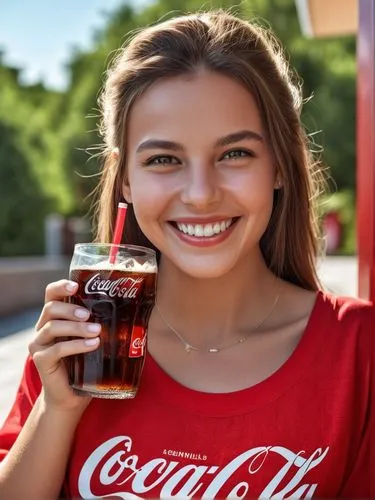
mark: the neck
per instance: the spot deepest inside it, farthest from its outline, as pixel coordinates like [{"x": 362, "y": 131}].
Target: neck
[{"x": 213, "y": 311}]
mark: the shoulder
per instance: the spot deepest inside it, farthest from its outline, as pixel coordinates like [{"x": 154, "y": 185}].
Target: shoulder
[
  {"x": 347, "y": 316},
  {"x": 347, "y": 309}
]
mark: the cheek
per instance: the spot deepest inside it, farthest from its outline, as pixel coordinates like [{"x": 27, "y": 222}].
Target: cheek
[
  {"x": 149, "y": 199},
  {"x": 255, "y": 191}
]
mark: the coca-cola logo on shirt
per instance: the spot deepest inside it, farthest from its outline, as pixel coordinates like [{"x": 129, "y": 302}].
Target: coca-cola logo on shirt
[
  {"x": 126, "y": 288},
  {"x": 115, "y": 465}
]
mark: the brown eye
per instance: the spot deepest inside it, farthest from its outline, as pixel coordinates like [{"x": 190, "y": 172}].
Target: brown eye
[
  {"x": 162, "y": 160},
  {"x": 235, "y": 154}
]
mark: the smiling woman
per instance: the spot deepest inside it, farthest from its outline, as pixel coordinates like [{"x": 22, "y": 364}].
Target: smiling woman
[
  {"x": 290, "y": 242},
  {"x": 257, "y": 383}
]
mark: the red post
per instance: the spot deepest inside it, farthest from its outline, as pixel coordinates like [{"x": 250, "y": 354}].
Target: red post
[{"x": 366, "y": 149}]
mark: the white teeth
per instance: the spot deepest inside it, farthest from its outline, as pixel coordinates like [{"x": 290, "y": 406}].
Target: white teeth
[
  {"x": 199, "y": 230},
  {"x": 204, "y": 230},
  {"x": 208, "y": 231}
]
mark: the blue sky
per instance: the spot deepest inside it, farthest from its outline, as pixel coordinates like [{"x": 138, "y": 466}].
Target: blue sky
[{"x": 38, "y": 35}]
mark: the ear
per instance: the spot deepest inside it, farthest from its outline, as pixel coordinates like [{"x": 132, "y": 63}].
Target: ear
[
  {"x": 126, "y": 192},
  {"x": 115, "y": 155},
  {"x": 278, "y": 184}
]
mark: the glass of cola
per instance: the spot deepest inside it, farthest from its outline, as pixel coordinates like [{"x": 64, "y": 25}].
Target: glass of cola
[{"x": 120, "y": 296}]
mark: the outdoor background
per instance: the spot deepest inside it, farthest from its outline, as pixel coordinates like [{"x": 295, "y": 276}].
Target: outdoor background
[{"x": 52, "y": 60}]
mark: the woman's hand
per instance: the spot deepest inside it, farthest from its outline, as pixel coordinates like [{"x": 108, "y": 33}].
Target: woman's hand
[{"x": 60, "y": 319}]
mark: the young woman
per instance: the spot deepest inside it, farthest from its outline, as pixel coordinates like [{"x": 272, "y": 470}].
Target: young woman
[{"x": 256, "y": 383}]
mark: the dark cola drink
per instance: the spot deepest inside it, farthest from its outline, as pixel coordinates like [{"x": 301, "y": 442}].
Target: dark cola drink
[{"x": 121, "y": 301}]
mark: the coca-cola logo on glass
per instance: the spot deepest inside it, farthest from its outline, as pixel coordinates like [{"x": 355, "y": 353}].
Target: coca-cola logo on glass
[
  {"x": 126, "y": 288},
  {"x": 138, "y": 343}
]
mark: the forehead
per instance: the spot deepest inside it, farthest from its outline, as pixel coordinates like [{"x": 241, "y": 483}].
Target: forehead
[{"x": 204, "y": 105}]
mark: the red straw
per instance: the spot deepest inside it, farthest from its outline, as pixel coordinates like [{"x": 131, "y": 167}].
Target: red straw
[{"x": 119, "y": 228}]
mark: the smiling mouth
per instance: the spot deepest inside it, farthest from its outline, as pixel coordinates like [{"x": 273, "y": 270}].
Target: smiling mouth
[{"x": 204, "y": 230}]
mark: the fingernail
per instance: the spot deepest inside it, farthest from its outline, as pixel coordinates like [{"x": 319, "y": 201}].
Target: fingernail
[
  {"x": 81, "y": 313},
  {"x": 93, "y": 327},
  {"x": 71, "y": 286},
  {"x": 91, "y": 342}
]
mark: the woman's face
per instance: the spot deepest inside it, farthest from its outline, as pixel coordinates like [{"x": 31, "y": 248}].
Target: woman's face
[{"x": 201, "y": 177}]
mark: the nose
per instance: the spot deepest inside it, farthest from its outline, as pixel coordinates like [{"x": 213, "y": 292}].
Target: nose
[{"x": 202, "y": 188}]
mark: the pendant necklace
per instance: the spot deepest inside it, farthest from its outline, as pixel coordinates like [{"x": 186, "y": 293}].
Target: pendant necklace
[{"x": 214, "y": 350}]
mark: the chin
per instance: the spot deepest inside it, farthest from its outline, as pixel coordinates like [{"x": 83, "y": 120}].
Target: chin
[{"x": 206, "y": 269}]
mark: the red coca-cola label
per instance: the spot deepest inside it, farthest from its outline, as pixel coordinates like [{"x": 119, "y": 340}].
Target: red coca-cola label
[{"x": 137, "y": 342}]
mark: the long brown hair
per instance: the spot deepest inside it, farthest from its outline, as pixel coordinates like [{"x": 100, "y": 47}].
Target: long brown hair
[{"x": 220, "y": 42}]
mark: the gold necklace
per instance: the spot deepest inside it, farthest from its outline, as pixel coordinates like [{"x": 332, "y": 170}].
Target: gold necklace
[{"x": 214, "y": 350}]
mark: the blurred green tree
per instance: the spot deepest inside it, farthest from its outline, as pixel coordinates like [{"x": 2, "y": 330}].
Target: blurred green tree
[{"x": 23, "y": 205}]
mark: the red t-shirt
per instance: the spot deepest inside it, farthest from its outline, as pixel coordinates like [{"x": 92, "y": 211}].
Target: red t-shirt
[{"x": 303, "y": 432}]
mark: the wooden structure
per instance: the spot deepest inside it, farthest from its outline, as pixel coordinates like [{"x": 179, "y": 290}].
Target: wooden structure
[{"x": 322, "y": 18}]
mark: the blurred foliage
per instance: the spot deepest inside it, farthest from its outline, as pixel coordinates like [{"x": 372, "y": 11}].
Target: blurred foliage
[
  {"x": 343, "y": 203},
  {"x": 47, "y": 137},
  {"x": 20, "y": 217}
]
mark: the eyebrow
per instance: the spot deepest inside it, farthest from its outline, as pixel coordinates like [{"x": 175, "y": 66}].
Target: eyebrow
[
  {"x": 159, "y": 144},
  {"x": 239, "y": 136},
  {"x": 223, "y": 141}
]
